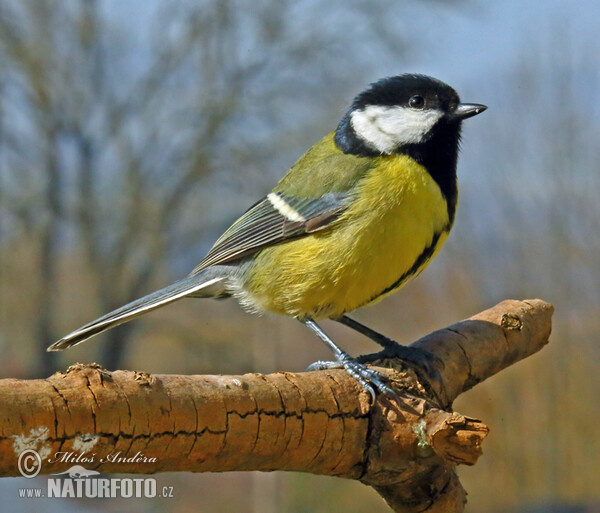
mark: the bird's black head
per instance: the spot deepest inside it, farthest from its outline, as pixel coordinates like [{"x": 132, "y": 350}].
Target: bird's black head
[
  {"x": 397, "y": 113},
  {"x": 414, "y": 115}
]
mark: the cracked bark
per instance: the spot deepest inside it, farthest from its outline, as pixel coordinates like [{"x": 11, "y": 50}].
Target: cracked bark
[{"x": 320, "y": 422}]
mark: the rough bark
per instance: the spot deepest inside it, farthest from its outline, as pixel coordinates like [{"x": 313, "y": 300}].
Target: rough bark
[{"x": 319, "y": 422}]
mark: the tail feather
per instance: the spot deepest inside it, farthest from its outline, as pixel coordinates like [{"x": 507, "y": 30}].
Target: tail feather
[{"x": 199, "y": 285}]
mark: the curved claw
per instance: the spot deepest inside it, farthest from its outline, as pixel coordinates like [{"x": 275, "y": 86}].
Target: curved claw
[
  {"x": 323, "y": 365},
  {"x": 369, "y": 379}
]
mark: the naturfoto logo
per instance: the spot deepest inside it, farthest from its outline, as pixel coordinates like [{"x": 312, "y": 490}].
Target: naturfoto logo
[{"x": 80, "y": 482}]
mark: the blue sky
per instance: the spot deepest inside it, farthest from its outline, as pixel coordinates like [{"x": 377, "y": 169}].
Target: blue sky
[{"x": 476, "y": 40}]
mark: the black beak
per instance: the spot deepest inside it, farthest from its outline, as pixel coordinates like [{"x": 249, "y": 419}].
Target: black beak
[{"x": 467, "y": 110}]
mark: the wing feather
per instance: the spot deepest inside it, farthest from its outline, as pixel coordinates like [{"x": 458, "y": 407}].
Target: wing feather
[{"x": 275, "y": 219}]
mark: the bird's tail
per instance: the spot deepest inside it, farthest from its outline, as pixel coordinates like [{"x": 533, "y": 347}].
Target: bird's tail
[{"x": 197, "y": 285}]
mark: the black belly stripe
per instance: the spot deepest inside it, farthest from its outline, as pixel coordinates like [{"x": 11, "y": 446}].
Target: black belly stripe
[{"x": 425, "y": 255}]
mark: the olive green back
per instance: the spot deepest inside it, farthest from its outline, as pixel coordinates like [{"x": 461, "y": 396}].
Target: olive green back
[{"x": 322, "y": 169}]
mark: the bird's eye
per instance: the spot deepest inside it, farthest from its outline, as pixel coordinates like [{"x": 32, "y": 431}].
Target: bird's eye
[{"x": 416, "y": 102}]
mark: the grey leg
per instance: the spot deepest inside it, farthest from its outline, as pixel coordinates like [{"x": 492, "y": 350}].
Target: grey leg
[{"x": 365, "y": 376}]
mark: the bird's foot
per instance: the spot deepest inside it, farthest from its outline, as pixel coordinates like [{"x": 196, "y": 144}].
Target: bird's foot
[
  {"x": 368, "y": 378},
  {"x": 424, "y": 363}
]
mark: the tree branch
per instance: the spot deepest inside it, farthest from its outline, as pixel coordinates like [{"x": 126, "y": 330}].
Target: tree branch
[{"x": 319, "y": 422}]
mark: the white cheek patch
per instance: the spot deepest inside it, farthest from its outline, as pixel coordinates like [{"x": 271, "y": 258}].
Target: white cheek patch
[{"x": 385, "y": 128}]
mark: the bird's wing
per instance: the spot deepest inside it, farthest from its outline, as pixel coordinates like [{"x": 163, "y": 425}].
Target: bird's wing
[
  {"x": 324, "y": 174},
  {"x": 275, "y": 219}
]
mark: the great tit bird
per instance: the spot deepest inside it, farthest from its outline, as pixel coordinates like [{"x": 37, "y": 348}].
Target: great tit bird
[{"x": 358, "y": 215}]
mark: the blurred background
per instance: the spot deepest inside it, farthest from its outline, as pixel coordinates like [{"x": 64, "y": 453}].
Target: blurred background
[{"x": 133, "y": 133}]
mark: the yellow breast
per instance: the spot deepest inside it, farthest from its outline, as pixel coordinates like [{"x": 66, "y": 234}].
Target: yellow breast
[{"x": 397, "y": 222}]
